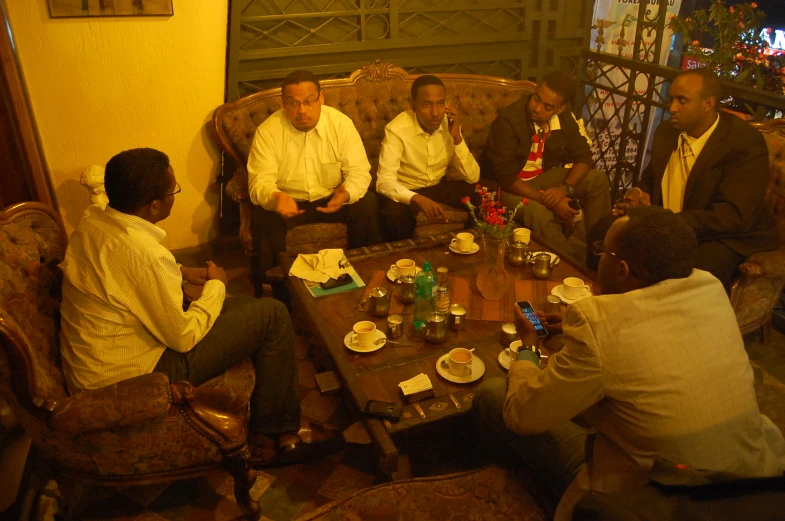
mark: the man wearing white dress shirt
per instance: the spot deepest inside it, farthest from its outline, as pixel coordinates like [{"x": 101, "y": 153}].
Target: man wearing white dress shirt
[
  {"x": 122, "y": 309},
  {"x": 424, "y": 162},
  {"x": 308, "y": 164}
]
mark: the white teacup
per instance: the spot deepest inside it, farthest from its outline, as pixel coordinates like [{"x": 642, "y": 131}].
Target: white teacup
[
  {"x": 463, "y": 242},
  {"x": 364, "y": 333},
  {"x": 460, "y": 362},
  {"x": 403, "y": 267},
  {"x": 523, "y": 235},
  {"x": 575, "y": 288},
  {"x": 512, "y": 351}
]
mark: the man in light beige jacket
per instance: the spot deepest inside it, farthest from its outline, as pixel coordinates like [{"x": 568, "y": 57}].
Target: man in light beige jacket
[{"x": 656, "y": 367}]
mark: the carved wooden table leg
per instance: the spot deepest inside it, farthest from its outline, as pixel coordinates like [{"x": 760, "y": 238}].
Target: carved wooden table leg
[
  {"x": 236, "y": 462},
  {"x": 384, "y": 447}
]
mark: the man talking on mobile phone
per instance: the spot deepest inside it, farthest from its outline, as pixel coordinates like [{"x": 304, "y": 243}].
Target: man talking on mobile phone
[{"x": 424, "y": 162}]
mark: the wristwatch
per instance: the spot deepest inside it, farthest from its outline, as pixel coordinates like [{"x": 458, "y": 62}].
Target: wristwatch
[
  {"x": 570, "y": 190},
  {"x": 532, "y": 348}
]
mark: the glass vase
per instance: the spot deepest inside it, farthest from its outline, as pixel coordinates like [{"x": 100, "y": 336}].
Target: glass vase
[{"x": 493, "y": 281}]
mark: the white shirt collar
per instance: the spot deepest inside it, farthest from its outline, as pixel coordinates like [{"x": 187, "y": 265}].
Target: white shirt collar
[
  {"x": 553, "y": 124},
  {"x": 697, "y": 143}
]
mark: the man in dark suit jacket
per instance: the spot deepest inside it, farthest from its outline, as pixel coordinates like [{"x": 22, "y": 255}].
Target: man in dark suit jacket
[
  {"x": 719, "y": 187},
  {"x": 536, "y": 150}
]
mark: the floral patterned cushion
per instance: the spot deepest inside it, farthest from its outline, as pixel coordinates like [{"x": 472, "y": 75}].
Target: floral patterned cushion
[
  {"x": 125, "y": 429},
  {"x": 30, "y": 250}
]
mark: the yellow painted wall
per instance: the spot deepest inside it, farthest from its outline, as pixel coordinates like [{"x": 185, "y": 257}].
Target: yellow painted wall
[{"x": 102, "y": 85}]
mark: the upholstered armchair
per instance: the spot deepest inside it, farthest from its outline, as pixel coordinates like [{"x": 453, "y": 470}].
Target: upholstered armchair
[
  {"x": 762, "y": 276},
  {"x": 139, "y": 431}
]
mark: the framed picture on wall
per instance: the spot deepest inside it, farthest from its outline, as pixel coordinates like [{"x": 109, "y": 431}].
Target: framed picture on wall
[{"x": 79, "y": 8}]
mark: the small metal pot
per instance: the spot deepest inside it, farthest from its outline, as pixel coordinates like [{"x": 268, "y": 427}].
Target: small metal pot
[
  {"x": 405, "y": 285},
  {"x": 436, "y": 328}
]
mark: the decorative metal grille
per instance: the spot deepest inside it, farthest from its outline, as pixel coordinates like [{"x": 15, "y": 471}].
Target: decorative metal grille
[
  {"x": 509, "y": 38},
  {"x": 622, "y": 131}
]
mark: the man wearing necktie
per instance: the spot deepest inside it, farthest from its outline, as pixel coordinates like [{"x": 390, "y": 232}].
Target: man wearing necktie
[{"x": 712, "y": 169}]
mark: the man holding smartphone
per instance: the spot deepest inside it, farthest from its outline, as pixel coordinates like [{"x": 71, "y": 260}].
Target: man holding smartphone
[
  {"x": 424, "y": 162},
  {"x": 647, "y": 365}
]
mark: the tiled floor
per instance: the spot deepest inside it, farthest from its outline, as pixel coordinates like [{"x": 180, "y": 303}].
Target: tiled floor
[{"x": 284, "y": 493}]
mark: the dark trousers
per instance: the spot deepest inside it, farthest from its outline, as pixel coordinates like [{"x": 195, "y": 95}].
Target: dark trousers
[
  {"x": 255, "y": 328},
  {"x": 399, "y": 219},
  {"x": 720, "y": 261},
  {"x": 554, "y": 457},
  {"x": 361, "y": 218}
]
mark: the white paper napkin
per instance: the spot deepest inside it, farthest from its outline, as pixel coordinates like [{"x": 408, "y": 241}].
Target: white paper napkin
[
  {"x": 318, "y": 267},
  {"x": 421, "y": 382}
]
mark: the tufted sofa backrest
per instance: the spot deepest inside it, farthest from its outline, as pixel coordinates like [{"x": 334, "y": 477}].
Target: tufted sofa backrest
[
  {"x": 774, "y": 134},
  {"x": 372, "y": 96},
  {"x": 32, "y": 244}
]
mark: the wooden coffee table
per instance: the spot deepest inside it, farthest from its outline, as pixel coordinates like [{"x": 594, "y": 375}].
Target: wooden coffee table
[{"x": 376, "y": 375}]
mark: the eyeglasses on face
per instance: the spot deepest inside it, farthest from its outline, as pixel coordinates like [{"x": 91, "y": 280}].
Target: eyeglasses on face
[
  {"x": 295, "y": 105},
  {"x": 177, "y": 190},
  {"x": 598, "y": 248}
]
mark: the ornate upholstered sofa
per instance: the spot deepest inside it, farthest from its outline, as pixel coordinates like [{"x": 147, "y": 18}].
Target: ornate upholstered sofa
[
  {"x": 139, "y": 431},
  {"x": 762, "y": 276},
  {"x": 377, "y": 92},
  {"x": 371, "y": 97}
]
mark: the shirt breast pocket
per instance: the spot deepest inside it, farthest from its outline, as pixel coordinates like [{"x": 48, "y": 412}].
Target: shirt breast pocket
[{"x": 330, "y": 175}]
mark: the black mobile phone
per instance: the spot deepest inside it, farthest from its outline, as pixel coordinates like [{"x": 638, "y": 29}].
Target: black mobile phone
[
  {"x": 334, "y": 283},
  {"x": 391, "y": 411},
  {"x": 528, "y": 310}
]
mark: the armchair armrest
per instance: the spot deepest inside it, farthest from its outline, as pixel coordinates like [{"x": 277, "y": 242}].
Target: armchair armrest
[
  {"x": 124, "y": 403},
  {"x": 237, "y": 190},
  {"x": 765, "y": 264}
]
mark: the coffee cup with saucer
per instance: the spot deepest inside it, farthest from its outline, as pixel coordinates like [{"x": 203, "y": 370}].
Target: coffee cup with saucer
[
  {"x": 504, "y": 356},
  {"x": 401, "y": 268},
  {"x": 572, "y": 290},
  {"x": 474, "y": 374},
  {"x": 365, "y": 337},
  {"x": 464, "y": 243}
]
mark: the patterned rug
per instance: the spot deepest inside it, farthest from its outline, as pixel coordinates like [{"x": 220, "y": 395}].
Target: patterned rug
[
  {"x": 771, "y": 396},
  {"x": 491, "y": 493}
]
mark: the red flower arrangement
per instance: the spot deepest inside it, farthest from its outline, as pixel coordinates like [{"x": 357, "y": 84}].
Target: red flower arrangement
[{"x": 495, "y": 220}]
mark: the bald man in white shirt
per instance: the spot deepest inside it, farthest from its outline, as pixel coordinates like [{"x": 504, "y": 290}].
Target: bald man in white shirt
[
  {"x": 122, "y": 310},
  {"x": 308, "y": 164}
]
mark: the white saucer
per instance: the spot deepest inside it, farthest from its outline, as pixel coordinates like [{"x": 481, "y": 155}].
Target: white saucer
[
  {"x": 347, "y": 341},
  {"x": 393, "y": 277},
  {"x": 475, "y": 249},
  {"x": 559, "y": 292},
  {"x": 553, "y": 256},
  {"x": 504, "y": 358},
  {"x": 478, "y": 369}
]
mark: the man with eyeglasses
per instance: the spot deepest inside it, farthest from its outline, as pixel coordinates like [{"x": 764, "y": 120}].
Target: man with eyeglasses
[
  {"x": 122, "y": 309},
  {"x": 655, "y": 366},
  {"x": 308, "y": 164},
  {"x": 712, "y": 169}
]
